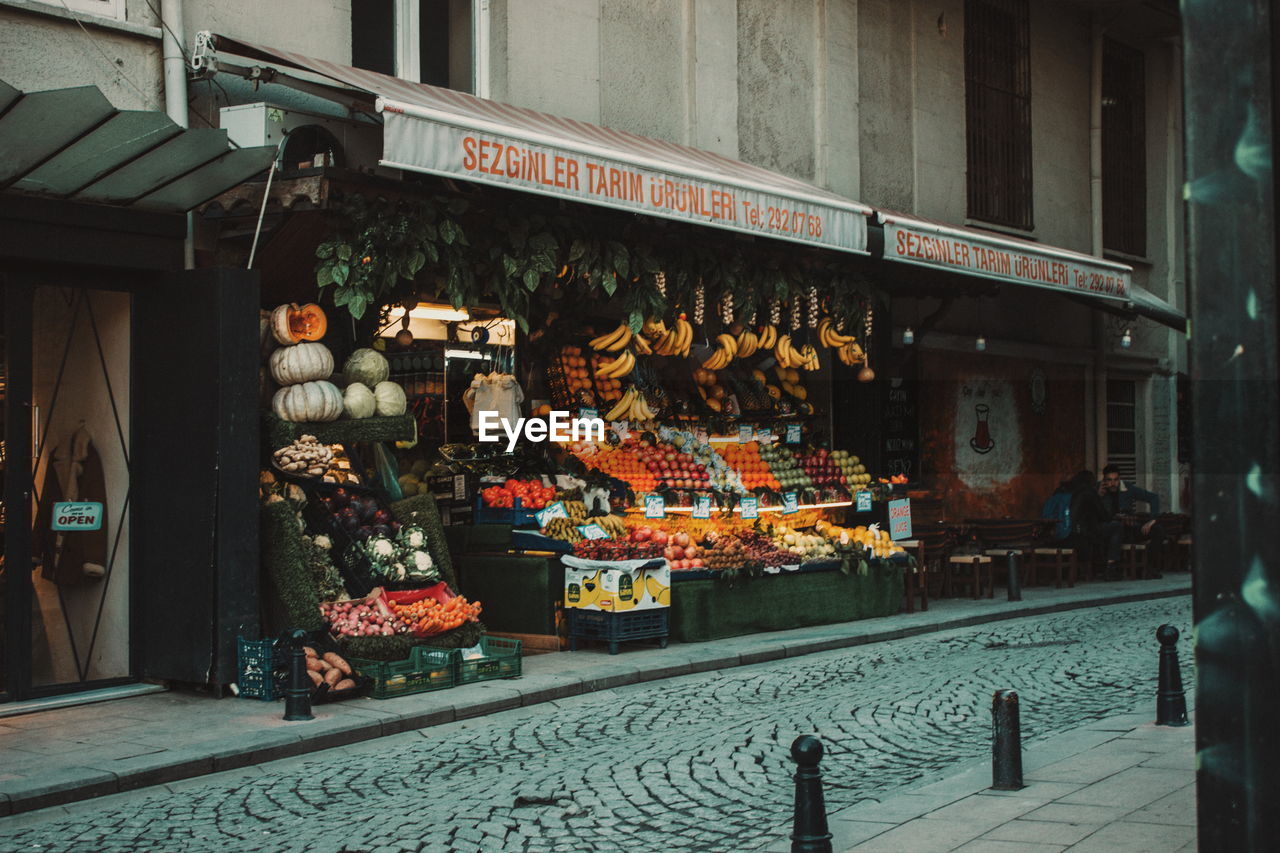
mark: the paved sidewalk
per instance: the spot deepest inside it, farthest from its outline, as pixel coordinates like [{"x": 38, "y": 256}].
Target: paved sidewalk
[
  {"x": 1122, "y": 785},
  {"x": 62, "y": 756}
]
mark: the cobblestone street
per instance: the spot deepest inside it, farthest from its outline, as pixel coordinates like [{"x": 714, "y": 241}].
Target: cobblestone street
[{"x": 695, "y": 763}]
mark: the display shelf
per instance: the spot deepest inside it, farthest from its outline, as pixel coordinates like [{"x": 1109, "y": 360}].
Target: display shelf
[{"x": 394, "y": 428}]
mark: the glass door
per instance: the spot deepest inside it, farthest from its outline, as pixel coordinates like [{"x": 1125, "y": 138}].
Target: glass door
[{"x": 68, "y": 614}]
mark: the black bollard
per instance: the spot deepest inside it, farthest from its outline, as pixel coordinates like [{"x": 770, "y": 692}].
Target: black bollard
[
  {"x": 809, "y": 832},
  {"x": 1006, "y": 742},
  {"x": 1015, "y": 585},
  {"x": 297, "y": 697},
  {"x": 1171, "y": 702}
]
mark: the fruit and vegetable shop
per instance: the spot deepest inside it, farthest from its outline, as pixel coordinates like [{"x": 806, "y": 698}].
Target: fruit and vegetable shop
[{"x": 526, "y": 397}]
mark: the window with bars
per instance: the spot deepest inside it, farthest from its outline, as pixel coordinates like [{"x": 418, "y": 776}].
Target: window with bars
[
  {"x": 997, "y": 71},
  {"x": 1122, "y": 426},
  {"x": 1124, "y": 149}
]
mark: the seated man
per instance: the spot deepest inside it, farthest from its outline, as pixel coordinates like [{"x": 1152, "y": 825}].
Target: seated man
[{"x": 1120, "y": 498}]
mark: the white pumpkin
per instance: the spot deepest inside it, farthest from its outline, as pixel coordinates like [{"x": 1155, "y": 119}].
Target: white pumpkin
[
  {"x": 390, "y": 399},
  {"x": 310, "y": 402},
  {"x": 358, "y": 401},
  {"x": 301, "y": 363}
]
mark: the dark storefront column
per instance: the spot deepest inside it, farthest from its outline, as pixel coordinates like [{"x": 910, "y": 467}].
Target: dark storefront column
[
  {"x": 196, "y": 424},
  {"x": 1231, "y": 129}
]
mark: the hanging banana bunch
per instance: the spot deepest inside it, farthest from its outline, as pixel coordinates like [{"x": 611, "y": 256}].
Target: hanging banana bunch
[
  {"x": 726, "y": 350},
  {"x": 613, "y": 341},
  {"x": 632, "y": 407},
  {"x": 671, "y": 342}
]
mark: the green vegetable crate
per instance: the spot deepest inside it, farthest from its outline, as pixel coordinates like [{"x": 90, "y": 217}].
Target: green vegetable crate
[
  {"x": 425, "y": 669},
  {"x": 501, "y": 659}
]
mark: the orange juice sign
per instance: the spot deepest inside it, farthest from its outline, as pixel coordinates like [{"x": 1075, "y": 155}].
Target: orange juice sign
[
  {"x": 588, "y": 173},
  {"x": 81, "y": 515},
  {"x": 900, "y": 519}
]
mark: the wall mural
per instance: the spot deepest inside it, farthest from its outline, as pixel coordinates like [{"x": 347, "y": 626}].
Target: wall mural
[
  {"x": 997, "y": 434},
  {"x": 988, "y": 434}
]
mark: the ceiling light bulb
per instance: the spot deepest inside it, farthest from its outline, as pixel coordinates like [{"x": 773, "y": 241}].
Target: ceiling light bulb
[
  {"x": 908, "y": 337},
  {"x": 981, "y": 343},
  {"x": 1126, "y": 340}
]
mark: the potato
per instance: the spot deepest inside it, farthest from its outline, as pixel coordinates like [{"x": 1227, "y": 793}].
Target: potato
[
  {"x": 333, "y": 676},
  {"x": 316, "y": 665},
  {"x": 310, "y": 652},
  {"x": 344, "y": 684},
  {"x": 315, "y": 678},
  {"x": 337, "y": 661}
]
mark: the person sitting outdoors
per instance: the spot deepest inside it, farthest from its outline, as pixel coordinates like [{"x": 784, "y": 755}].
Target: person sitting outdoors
[
  {"x": 1120, "y": 498},
  {"x": 1092, "y": 526}
]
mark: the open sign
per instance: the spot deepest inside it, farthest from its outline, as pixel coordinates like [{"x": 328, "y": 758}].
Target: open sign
[{"x": 82, "y": 515}]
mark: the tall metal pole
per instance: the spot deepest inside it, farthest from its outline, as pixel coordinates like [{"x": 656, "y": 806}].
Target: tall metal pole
[{"x": 1230, "y": 85}]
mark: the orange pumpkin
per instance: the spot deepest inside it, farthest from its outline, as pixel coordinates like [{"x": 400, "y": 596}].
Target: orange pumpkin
[{"x": 293, "y": 323}]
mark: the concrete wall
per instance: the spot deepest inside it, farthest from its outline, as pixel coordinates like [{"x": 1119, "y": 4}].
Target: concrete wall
[
  {"x": 42, "y": 48},
  {"x": 319, "y": 28}
]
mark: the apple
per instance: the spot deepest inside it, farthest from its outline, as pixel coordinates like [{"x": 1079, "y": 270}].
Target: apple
[
  {"x": 641, "y": 535},
  {"x": 660, "y": 537},
  {"x": 681, "y": 539}
]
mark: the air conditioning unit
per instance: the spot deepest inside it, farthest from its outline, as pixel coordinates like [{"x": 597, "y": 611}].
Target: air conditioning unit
[{"x": 310, "y": 141}]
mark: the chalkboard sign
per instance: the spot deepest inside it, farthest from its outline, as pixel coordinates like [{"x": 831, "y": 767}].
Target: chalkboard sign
[{"x": 900, "y": 428}]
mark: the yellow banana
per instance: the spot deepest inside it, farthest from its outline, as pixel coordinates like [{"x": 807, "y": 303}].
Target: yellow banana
[
  {"x": 782, "y": 351},
  {"x": 642, "y": 345},
  {"x": 809, "y": 357},
  {"x": 663, "y": 346},
  {"x": 685, "y": 332},
  {"x": 828, "y": 335},
  {"x": 622, "y": 406},
  {"x": 622, "y": 341},
  {"x": 728, "y": 343},
  {"x": 654, "y": 327},
  {"x": 768, "y": 337},
  {"x": 747, "y": 344},
  {"x": 606, "y": 341},
  {"x": 620, "y": 366}
]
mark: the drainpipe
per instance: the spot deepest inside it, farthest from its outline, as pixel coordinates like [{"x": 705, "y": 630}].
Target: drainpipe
[
  {"x": 1095, "y": 205},
  {"x": 480, "y": 48},
  {"x": 175, "y": 88}
]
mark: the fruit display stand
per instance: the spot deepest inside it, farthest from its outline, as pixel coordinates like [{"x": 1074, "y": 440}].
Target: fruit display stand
[
  {"x": 391, "y": 428},
  {"x": 714, "y": 609}
]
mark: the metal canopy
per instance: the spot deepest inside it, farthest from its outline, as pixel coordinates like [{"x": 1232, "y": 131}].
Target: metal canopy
[{"x": 72, "y": 144}]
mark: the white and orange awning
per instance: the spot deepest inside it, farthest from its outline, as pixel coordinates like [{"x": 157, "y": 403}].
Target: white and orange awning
[{"x": 443, "y": 132}]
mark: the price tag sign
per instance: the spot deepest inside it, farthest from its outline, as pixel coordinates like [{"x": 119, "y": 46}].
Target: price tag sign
[
  {"x": 900, "y": 519},
  {"x": 863, "y": 502},
  {"x": 593, "y": 531},
  {"x": 746, "y": 433},
  {"x": 793, "y": 433},
  {"x": 555, "y": 510},
  {"x": 790, "y": 503},
  {"x": 751, "y": 507},
  {"x": 702, "y": 506},
  {"x": 459, "y": 487},
  {"x": 655, "y": 506},
  {"x": 80, "y": 515},
  {"x": 589, "y": 413},
  {"x": 764, "y": 435}
]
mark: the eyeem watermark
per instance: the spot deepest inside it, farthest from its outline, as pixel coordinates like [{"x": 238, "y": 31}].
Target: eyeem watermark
[{"x": 558, "y": 426}]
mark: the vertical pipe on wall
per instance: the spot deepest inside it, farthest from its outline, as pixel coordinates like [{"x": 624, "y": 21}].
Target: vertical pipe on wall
[
  {"x": 480, "y": 48},
  {"x": 175, "y": 88},
  {"x": 1095, "y": 232}
]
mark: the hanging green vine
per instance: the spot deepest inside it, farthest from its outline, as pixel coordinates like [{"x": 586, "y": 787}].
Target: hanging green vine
[{"x": 525, "y": 252}]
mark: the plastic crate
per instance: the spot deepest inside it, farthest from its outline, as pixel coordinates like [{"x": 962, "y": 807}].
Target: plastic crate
[
  {"x": 424, "y": 670},
  {"x": 516, "y": 516},
  {"x": 260, "y": 668},
  {"x": 614, "y": 628},
  {"x": 501, "y": 659}
]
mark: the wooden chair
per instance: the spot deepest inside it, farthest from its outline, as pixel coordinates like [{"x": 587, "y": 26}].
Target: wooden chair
[
  {"x": 973, "y": 571},
  {"x": 1000, "y": 538},
  {"x": 930, "y": 548},
  {"x": 1058, "y": 558},
  {"x": 1133, "y": 560}
]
